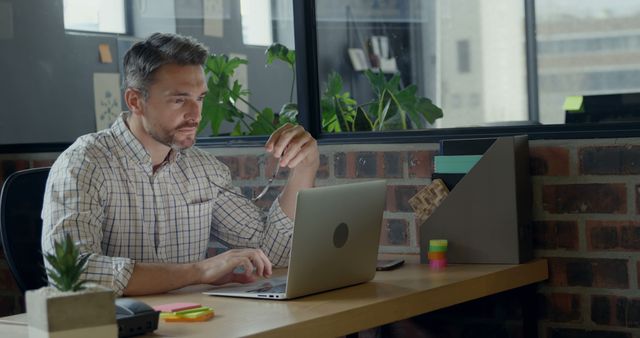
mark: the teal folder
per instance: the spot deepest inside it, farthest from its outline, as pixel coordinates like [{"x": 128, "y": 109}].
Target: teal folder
[{"x": 457, "y": 164}]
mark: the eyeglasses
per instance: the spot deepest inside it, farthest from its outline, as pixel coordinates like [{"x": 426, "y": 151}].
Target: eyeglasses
[
  {"x": 266, "y": 187},
  {"x": 261, "y": 194}
]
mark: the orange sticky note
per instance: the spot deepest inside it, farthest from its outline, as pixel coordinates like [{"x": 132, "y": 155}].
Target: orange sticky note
[
  {"x": 105, "y": 53},
  {"x": 196, "y": 318}
]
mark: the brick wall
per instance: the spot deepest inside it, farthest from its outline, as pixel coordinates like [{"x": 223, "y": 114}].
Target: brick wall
[{"x": 586, "y": 220}]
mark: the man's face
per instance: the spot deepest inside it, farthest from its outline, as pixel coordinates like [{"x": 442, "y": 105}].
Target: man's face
[{"x": 172, "y": 111}]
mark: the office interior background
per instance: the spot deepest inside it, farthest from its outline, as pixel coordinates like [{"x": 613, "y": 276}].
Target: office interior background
[{"x": 495, "y": 67}]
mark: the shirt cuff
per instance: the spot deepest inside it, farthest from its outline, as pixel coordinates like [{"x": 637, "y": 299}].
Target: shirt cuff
[{"x": 123, "y": 270}]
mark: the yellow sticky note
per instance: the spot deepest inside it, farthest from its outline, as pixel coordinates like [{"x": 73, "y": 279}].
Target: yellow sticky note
[{"x": 573, "y": 104}]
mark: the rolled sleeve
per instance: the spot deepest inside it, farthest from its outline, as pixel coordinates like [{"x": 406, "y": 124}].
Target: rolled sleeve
[{"x": 72, "y": 205}]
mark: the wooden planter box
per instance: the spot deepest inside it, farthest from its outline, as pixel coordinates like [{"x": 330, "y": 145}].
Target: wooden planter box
[{"x": 87, "y": 313}]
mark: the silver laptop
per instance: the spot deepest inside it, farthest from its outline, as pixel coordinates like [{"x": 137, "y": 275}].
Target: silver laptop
[{"x": 335, "y": 243}]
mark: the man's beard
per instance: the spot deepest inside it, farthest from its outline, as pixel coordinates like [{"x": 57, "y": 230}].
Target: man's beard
[{"x": 169, "y": 139}]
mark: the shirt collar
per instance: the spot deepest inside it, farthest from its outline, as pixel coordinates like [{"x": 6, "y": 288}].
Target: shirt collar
[{"x": 132, "y": 145}]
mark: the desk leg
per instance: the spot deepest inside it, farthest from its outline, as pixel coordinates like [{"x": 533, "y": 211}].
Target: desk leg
[{"x": 528, "y": 299}]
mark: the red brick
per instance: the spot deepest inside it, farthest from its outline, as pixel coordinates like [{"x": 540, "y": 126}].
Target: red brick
[
  {"x": 600, "y": 273},
  {"x": 613, "y": 235},
  {"x": 343, "y": 165},
  {"x": 368, "y": 164},
  {"x": 585, "y": 198},
  {"x": 398, "y": 197},
  {"x": 615, "y": 310},
  {"x": 43, "y": 163},
  {"x": 323, "y": 170},
  {"x": 390, "y": 164},
  {"x": 638, "y": 272},
  {"x": 395, "y": 232},
  {"x": 242, "y": 167},
  {"x": 421, "y": 164},
  {"x": 552, "y": 235},
  {"x": 610, "y": 160},
  {"x": 562, "y": 307},
  {"x": 270, "y": 168},
  {"x": 638, "y": 199},
  {"x": 549, "y": 161}
]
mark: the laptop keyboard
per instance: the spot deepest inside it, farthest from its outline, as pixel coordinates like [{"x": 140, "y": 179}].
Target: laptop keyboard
[{"x": 270, "y": 288}]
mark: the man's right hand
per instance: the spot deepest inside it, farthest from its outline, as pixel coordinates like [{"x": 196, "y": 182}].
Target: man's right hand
[
  {"x": 151, "y": 278},
  {"x": 221, "y": 268}
]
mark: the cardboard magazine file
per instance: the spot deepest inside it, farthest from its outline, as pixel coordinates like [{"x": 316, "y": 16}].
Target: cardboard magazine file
[{"x": 487, "y": 216}]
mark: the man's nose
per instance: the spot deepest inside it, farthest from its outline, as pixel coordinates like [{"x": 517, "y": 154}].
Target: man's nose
[{"x": 194, "y": 111}]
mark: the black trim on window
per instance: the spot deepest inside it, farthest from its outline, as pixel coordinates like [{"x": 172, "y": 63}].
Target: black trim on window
[
  {"x": 531, "y": 50},
  {"x": 304, "y": 24}
]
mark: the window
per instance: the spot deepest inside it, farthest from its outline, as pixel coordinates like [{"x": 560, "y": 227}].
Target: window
[
  {"x": 467, "y": 57},
  {"x": 585, "y": 48},
  {"x": 103, "y": 16},
  {"x": 256, "y": 22}
]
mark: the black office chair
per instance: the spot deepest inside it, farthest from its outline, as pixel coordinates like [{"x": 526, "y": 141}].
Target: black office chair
[{"x": 21, "y": 226}]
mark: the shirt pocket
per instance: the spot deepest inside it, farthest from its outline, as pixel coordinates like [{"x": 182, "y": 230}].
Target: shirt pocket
[{"x": 198, "y": 222}]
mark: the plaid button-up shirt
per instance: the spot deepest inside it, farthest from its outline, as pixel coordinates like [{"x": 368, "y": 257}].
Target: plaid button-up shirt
[{"x": 102, "y": 190}]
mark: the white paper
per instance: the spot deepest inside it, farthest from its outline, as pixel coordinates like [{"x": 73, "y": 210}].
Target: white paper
[
  {"x": 106, "y": 89},
  {"x": 213, "y": 17},
  {"x": 242, "y": 75},
  {"x": 358, "y": 59}
]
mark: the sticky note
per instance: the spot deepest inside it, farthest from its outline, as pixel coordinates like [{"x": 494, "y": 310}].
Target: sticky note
[
  {"x": 574, "y": 104},
  {"x": 174, "y": 307},
  {"x": 105, "y": 53},
  {"x": 199, "y": 317}
]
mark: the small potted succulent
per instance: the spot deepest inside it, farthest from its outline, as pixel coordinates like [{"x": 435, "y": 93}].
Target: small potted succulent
[{"x": 70, "y": 307}]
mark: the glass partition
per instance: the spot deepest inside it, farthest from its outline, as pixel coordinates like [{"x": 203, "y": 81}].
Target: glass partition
[{"x": 470, "y": 58}]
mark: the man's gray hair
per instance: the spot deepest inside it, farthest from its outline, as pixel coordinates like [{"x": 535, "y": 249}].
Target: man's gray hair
[{"x": 159, "y": 49}]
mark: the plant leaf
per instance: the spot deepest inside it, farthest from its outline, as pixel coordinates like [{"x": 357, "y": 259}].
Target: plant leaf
[
  {"x": 361, "y": 121},
  {"x": 280, "y": 52},
  {"x": 289, "y": 111}
]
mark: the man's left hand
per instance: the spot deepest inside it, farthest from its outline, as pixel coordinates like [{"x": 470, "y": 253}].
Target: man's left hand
[{"x": 295, "y": 147}]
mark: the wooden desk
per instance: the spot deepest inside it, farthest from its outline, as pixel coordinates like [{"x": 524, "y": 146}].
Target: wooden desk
[{"x": 393, "y": 295}]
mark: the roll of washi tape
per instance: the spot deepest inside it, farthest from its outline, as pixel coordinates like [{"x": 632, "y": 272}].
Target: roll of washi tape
[
  {"x": 438, "y": 242},
  {"x": 436, "y": 255},
  {"x": 438, "y": 263},
  {"x": 437, "y": 248}
]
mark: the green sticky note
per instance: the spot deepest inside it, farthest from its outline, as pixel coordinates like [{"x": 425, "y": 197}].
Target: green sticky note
[{"x": 573, "y": 104}]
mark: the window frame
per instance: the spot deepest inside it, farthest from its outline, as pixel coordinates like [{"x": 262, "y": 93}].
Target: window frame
[
  {"x": 309, "y": 104},
  {"x": 127, "y": 24}
]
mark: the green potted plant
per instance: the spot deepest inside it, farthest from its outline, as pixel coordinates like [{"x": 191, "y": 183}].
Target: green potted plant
[
  {"x": 220, "y": 102},
  {"x": 393, "y": 107},
  {"x": 70, "y": 307}
]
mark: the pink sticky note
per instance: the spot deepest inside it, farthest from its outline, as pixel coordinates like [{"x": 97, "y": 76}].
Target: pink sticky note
[{"x": 173, "y": 307}]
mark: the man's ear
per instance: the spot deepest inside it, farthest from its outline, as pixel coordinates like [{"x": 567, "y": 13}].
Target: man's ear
[{"x": 134, "y": 100}]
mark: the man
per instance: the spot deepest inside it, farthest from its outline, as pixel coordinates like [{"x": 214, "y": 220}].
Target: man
[{"x": 141, "y": 201}]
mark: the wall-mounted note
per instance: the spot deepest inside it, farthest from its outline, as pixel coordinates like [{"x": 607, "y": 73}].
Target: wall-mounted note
[
  {"x": 105, "y": 53},
  {"x": 213, "y": 18},
  {"x": 106, "y": 89}
]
